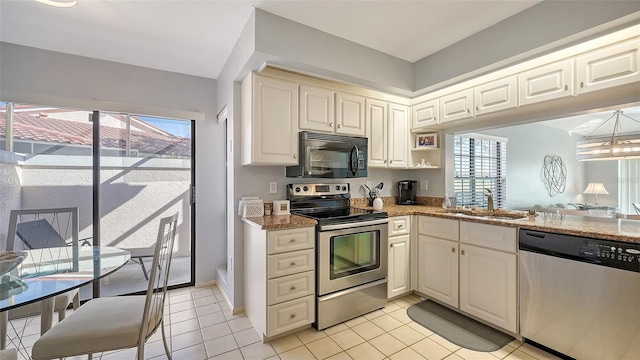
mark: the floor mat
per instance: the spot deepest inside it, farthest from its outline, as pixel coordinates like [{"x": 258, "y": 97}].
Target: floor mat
[{"x": 457, "y": 328}]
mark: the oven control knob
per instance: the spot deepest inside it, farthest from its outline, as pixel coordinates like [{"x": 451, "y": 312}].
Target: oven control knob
[
  {"x": 338, "y": 187},
  {"x": 306, "y": 188},
  {"x": 344, "y": 188},
  {"x": 297, "y": 189}
]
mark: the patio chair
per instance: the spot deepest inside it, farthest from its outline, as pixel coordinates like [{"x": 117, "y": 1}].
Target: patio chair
[
  {"x": 42, "y": 228},
  {"x": 112, "y": 323}
]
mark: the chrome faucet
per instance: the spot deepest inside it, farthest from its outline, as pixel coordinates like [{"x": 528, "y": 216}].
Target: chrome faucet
[{"x": 489, "y": 196}]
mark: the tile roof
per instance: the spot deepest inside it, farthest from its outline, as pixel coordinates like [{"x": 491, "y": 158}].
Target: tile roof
[{"x": 33, "y": 128}]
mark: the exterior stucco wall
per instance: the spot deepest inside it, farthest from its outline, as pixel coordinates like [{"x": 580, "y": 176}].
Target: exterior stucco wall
[
  {"x": 10, "y": 196},
  {"x": 133, "y": 200}
]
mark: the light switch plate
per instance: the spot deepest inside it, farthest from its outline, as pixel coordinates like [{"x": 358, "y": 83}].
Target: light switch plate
[
  {"x": 273, "y": 187},
  {"x": 424, "y": 185}
]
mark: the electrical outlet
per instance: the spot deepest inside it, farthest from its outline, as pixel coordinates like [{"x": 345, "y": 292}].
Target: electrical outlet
[
  {"x": 273, "y": 187},
  {"x": 369, "y": 185},
  {"x": 424, "y": 185}
]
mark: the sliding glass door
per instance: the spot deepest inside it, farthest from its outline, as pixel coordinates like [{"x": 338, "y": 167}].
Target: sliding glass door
[{"x": 143, "y": 172}]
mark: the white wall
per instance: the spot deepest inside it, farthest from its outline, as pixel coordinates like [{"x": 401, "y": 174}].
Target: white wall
[{"x": 48, "y": 78}]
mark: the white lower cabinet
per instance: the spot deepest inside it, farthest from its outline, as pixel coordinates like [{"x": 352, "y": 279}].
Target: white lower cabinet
[
  {"x": 488, "y": 273},
  {"x": 438, "y": 259},
  {"x": 488, "y": 285},
  {"x": 399, "y": 263},
  {"x": 438, "y": 269},
  {"x": 470, "y": 266},
  {"x": 279, "y": 282}
]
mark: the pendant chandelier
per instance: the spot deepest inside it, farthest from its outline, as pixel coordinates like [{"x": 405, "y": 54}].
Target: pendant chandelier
[{"x": 611, "y": 147}]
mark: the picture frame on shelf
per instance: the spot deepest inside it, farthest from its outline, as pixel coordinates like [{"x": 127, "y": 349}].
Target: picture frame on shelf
[{"x": 426, "y": 141}]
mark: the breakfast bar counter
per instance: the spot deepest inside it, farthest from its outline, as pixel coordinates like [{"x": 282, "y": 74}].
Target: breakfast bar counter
[{"x": 588, "y": 226}]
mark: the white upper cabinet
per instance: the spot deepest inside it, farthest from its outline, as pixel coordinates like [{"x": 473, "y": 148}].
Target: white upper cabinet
[
  {"x": 610, "y": 66},
  {"x": 398, "y": 135},
  {"x": 456, "y": 106},
  {"x": 317, "y": 111},
  {"x": 549, "y": 82},
  {"x": 349, "y": 114},
  {"x": 376, "y": 115},
  {"x": 388, "y": 131},
  {"x": 497, "y": 95},
  {"x": 425, "y": 114},
  {"x": 269, "y": 121}
]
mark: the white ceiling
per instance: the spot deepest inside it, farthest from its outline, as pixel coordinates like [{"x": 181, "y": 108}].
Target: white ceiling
[
  {"x": 195, "y": 37},
  {"x": 600, "y": 123}
]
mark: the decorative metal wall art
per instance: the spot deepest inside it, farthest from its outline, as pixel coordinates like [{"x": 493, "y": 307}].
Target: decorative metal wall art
[{"x": 554, "y": 174}]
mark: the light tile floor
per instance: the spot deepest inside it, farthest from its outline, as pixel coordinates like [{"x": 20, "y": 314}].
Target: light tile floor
[{"x": 201, "y": 327}]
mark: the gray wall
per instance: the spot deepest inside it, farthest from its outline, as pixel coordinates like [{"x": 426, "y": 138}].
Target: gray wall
[
  {"x": 526, "y": 148},
  {"x": 533, "y": 28},
  {"x": 44, "y": 77},
  {"x": 607, "y": 173}
]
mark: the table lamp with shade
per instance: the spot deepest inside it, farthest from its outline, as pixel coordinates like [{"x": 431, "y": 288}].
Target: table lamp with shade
[{"x": 596, "y": 188}]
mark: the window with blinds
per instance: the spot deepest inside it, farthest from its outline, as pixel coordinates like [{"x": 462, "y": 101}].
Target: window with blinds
[{"x": 479, "y": 164}]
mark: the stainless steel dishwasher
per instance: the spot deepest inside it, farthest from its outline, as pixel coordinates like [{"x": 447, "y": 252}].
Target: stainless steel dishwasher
[{"x": 580, "y": 296}]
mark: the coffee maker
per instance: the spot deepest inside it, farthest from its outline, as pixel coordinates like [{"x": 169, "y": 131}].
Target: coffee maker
[{"x": 407, "y": 192}]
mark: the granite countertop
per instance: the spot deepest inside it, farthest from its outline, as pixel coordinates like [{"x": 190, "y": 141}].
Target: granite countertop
[
  {"x": 594, "y": 227},
  {"x": 279, "y": 222},
  {"x": 588, "y": 226}
]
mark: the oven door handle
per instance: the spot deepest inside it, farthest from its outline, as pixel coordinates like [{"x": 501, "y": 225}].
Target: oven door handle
[
  {"x": 352, "y": 225},
  {"x": 351, "y": 290}
]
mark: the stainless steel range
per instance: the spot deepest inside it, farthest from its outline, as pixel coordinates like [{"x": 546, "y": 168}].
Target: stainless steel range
[{"x": 351, "y": 252}]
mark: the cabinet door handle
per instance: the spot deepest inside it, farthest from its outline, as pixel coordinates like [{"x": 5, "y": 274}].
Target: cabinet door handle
[
  {"x": 462, "y": 252},
  {"x": 292, "y": 264},
  {"x": 566, "y": 87},
  {"x": 292, "y": 316},
  {"x": 385, "y": 161},
  {"x": 292, "y": 240},
  {"x": 339, "y": 126},
  {"x": 390, "y": 161},
  {"x": 468, "y": 110},
  {"x": 390, "y": 245},
  {"x": 453, "y": 250},
  {"x": 477, "y": 108},
  {"x": 330, "y": 124},
  {"x": 400, "y": 226},
  {"x": 295, "y": 156},
  {"x": 293, "y": 288},
  {"x": 581, "y": 84}
]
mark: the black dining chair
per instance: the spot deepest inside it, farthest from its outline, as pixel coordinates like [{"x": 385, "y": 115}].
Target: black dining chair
[
  {"x": 41, "y": 228},
  {"x": 121, "y": 322}
]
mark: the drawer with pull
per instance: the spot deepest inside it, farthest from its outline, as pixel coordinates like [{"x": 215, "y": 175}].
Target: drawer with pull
[
  {"x": 290, "y": 315},
  {"x": 399, "y": 225},
  {"x": 290, "y": 263},
  {"x": 290, "y": 240},
  {"x": 290, "y": 287}
]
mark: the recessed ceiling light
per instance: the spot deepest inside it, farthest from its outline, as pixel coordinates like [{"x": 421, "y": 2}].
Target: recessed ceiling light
[{"x": 60, "y": 3}]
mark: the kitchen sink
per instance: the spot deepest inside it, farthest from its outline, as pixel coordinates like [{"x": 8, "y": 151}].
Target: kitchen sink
[{"x": 496, "y": 214}]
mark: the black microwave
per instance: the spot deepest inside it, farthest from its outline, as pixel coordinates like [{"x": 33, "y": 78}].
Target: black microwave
[{"x": 330, "y": 156}]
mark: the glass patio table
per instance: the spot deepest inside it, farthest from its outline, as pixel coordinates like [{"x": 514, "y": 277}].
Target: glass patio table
[{"x": 48, "y": 272}]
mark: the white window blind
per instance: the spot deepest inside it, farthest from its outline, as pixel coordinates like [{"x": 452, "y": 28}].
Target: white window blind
[
  {"x": 479, "y": 164},
  {"x": 628, "y": 185}
]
